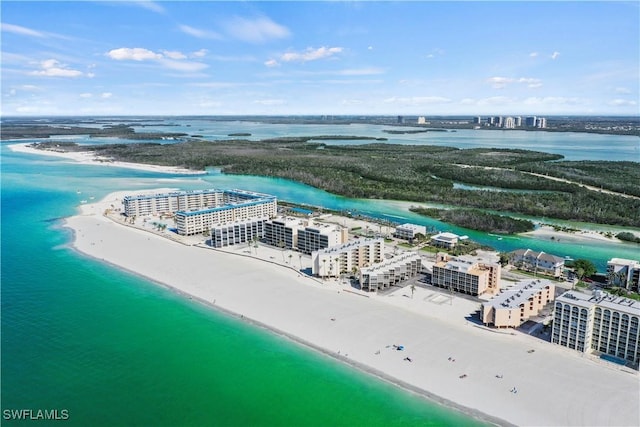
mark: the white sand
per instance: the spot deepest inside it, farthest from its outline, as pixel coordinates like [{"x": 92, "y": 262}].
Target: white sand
[
  {"x": 90, "y": 158},
  {"x": 556, "y": 386},
  {"x": 549, "y": 233}
]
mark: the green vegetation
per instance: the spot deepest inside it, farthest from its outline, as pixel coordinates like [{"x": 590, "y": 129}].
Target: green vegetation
[
  {"x": 424, "y": 174},
  {"x": 478, "y": 220},
  {"x": 628, "y": 237},
  {"x": 583, "y": 268}
]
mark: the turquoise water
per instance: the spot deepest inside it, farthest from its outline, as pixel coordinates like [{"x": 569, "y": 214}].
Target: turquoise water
[{"x": 114, "y": 349}]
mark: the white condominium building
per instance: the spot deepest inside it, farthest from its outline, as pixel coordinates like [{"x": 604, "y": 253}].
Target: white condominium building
[
  {"x": 239, "y": 232},
  {"x": 282, "y": 232},
  {"x": 347, "y": 258},
  {"x": 409, "y": 231},
  {"x": 197, "y": 211},
  {"x": 512, "y": 307},
  {"x": 466, "y": 275},
  {"x": 319, "y": 236},
  {"x": 538, "y": 262},
  {"x": 624, "y": 273},
  {"x": 390, "y": 272},
  {"x": 599, "y": 323}
]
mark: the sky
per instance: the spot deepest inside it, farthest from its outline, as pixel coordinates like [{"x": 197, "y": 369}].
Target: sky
[{"x": 327, "y": 57}]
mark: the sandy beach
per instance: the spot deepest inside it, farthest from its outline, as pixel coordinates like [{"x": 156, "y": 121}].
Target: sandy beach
[
  {"x": 555, "y": 386},
  {"x": 89, "y": 158}
]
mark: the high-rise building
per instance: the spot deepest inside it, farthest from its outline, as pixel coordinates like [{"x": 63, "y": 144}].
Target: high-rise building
[
  {"x": 509, "y": 123},
  {"x": 541, "y": 122},
  {"x": 530, "y": 121},
  {"x": 198, "y": 210},
  {"x": 599, "y": 323},
  {"x": 238, "y": 232}
]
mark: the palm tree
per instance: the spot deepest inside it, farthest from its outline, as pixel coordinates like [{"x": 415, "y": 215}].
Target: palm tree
[
  {"x": 413, "y": 289},
  {"x": 290, "y": 256},
  {"x": 324, "y": 263},
  {"x": 300, "y": 258}
]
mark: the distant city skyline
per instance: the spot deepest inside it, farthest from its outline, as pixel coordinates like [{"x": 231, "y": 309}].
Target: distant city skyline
[{"x": 320, "y": 58}]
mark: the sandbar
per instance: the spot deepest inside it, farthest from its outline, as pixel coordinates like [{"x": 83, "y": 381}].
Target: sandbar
[
  {"x": 89, "y": 158},
  {"x": 454, "y": 360}
]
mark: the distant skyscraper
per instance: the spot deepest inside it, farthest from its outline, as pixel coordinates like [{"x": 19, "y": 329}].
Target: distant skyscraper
[
  {"x": 422, "y": 120},
  {"x": 498, "y": 121},
  {"x": 530, "y": 121},
  {"x": 477, "y": 120},
  {"x": 509, "y": 123},
  {"x": 541, "y": 122},
  {"x": 400, "y": 119},
  {"x": 518, "y": 121}
]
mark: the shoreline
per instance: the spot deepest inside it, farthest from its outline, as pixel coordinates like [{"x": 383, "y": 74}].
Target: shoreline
[
  {"x": 89, "y": 158},
  {"x": 307, "y": 311}
]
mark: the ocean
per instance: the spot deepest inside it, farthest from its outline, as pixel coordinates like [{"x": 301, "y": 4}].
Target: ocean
[{"x": 114, "y": 349}]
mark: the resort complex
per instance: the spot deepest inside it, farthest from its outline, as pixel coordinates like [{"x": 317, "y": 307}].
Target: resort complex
[
  {"x": 600, "y": 323},
  {"x": 199, "y": 210}
]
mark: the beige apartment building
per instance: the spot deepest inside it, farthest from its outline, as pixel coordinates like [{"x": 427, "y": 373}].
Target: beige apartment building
[
  {"x": 512, "y": 307},
  {"x": 347, "y": 258},
  {"x": 466, "y": 274}
]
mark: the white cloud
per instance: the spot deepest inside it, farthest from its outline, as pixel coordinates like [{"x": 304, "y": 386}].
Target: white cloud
[
  {"x": 150, "y": 5},
  {"x": 310, "y": 54},
  {"x": 168, "y": 59},
  {"x": 622, "y": 90},
  {"x": 53, "y": 68},
  {"x": 417, "y": 100},
  {"x": 106, "y": 95},
  {"x": 201, "y": 34},
  {"x": 622, "y": 103},
  {"x": 501, "y": 82},
  {"x": 174, "y": 54},
  {"x": 555, "y": 55},
  {"x": 199, "y": 53},
  {"x": 133, "y": 54},
  {"x": 370, "y": 48},
  {"x": 553, "y": 100},
  {"x": 271, "y": 63},
  {"x": 85, "y": 95},
  {"x": 24, "y": 31},
  {"x": 270, "y": 101},
  {"x": 258, "y": 30},
  {"x": 361, "y": 71},
  {"x": 183, "y": 65},
  {"x": 533, "y": 54}
]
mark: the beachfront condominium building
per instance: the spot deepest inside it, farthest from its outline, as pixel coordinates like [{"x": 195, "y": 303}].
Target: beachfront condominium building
[
  {"x": 390, "y": 272},
  {"x": 238, "y": 232},
  {"x": 282, "y": 232},
  {"x": 624, "y": 273},
  {"x": 466, "y": 274},
  {"x": 598, "y": 323},
  {"x": 197, "y": 211},
  {"x": 509, "y": 123},
  {"x": 445, "y": 240},
  {"x": 319, "y": 236},
  {"x": 538, "y": 262},
  {"x": 409, "y": 231},
  {"x": 347, "y": 258},
  {"x": 514, "y": 306}
]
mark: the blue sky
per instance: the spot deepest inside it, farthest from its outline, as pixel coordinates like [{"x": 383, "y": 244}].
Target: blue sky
[{"x": 217, "y": 58}]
